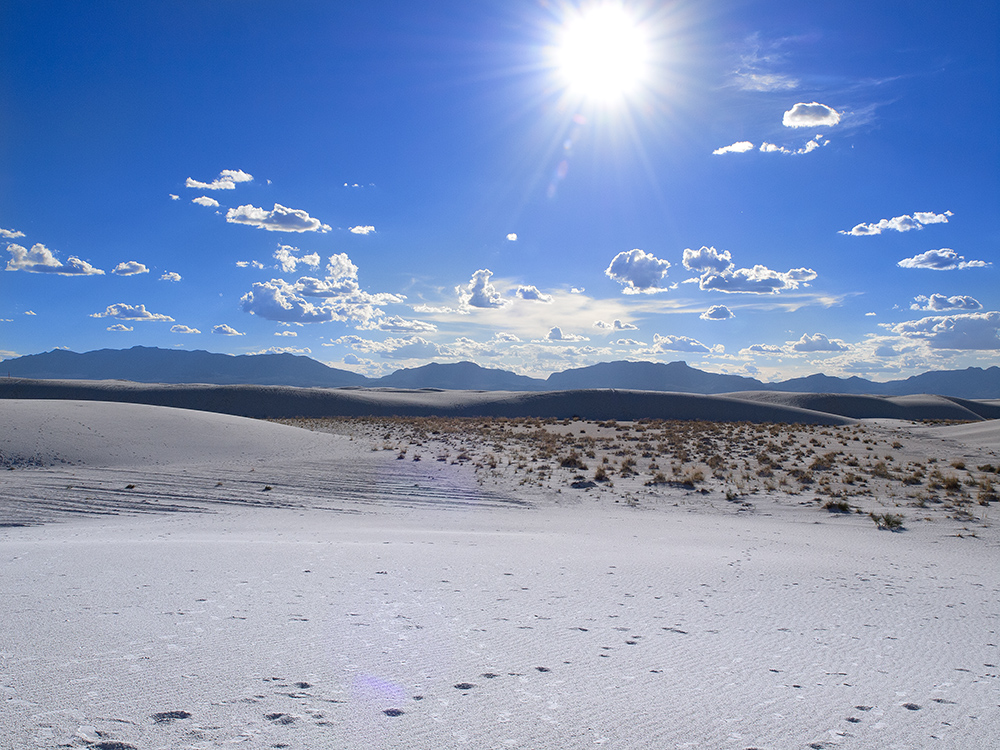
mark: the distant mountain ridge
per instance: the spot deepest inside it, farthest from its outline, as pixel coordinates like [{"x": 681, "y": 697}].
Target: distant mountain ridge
[{"x": 153, "y": 365}]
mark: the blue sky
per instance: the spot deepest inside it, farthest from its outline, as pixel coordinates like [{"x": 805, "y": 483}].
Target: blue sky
[{"x": 764, "y": 188}]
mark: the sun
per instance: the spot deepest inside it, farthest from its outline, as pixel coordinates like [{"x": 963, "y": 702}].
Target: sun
[{"x": 602, "y": 54}]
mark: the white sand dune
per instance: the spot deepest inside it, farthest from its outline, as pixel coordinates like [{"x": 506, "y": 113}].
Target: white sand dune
[
  {"x": 365, "y": 601},
  {"x": 912, "y": 408}
]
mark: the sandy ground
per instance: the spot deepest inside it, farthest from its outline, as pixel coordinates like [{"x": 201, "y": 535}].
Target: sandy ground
[{"x": 205, "y": 581}]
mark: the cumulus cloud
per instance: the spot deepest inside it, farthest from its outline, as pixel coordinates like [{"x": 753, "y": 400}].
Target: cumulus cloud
[
  {"x": 617, "y": 325},
  {"x": 717, "y": 312},
  {"x": 480, "y": 292},
  {"x": 940, "y": 303},
  {"x": 413, "y": 347},
  {"x": 288, "y": 262},
  {"x": 678, "y": 344},
  {"x": 707, "y": 260},
  {"x": 283, "y": 350},
  {"x": 118, "y": 327},
  {"x": 640, "y": 272},
  {"x": 170, "y": 276},
  {"x": 122, "y": 311},
  {"x": 964, "y": 331},
  {"x": 226, "y": 330},
  {"x": 249, "y": 264},
  {"x": 944, "y": 259},
  {"x": 226, "y": 180},
  {"x": 293, "y": 334},
  {"x": 903, "y": 223},
  {"x": 204, "y": 200},
  {"x": 13, "y": 234},
  {"x": 810, "y": 146},
  {"x": 756, "y": 280},
  {"x": 740, "y": 147},
  {"x": 39, "y": 259},
  {"x": 397, "y": 324},
  {"x": 512, "y": 237},
  {"x": 280, "y": 219},
  {"x": 810, "y": 115},
  {"x": 183, "y": 329},
  {"x": 531, "y": 293},
  {"x": 817, "y": 343},
  {"x": 557, "y": 334},
  {"x": 130, "y": 268},
  {"x": 362, "y": 229},
  {"x": 764, "y": 349}
]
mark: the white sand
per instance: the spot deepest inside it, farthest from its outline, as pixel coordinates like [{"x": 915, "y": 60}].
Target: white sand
[{"x": 360, "y": 584}]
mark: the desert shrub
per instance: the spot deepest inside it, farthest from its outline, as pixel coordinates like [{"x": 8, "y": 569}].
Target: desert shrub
[
  {"x": 890, "y": 521},
  {"x": 958, "y": 465},
  {"x": 880, "y": 470},
  {"x": 572, "y": 461},
  {"x": 837, "y": 506}
]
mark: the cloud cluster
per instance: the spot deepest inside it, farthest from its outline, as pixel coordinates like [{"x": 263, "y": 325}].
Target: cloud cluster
[
  {"x": 480, "y": 292},
  {"x": 532, "y": 294},
  {"x": 640, "y": 272},
  {"x": 617, "y": 325},
  {"x": 412, "y": 347},
  {"x": 129, "y": 268},
  {"x": 818, "y": 342},
  {"x": 288, "y": 262},
  {"x": 941, "y": 303},
  {"x": 810, "y": 115},
  {"x": 398, "y": 324},
  {"x": 39, "y": 259},
  {"x": 226, "y": 180},
  {"x": 944, "y": 259},
  {"x": 122, "y": 311},
  {"x": 280, "y": 219},
  {"x": 810, "y": 146},
  {"x": 718, "y": 273},
  {"x": 903, "y": 223},
  {"x": 962, "y": 331}
]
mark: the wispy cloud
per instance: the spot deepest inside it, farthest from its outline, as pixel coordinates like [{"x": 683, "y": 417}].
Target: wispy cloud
[
  {"x": 226, "y": 180},
  {"x": 397, "y": 324},
  {"x": 280, "y": 219},
  {"x": 39, "y": 259},
  {"x": 740, "y": 147},
  {"x": 810, "y": 146},
  {"x": 122, "y": 311},
  {"x": 10, "y": 234},
  {"x": 944, "y": 259}
]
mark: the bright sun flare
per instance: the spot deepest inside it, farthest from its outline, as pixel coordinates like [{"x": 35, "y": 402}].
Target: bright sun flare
[{"x": 602, "y": 55}]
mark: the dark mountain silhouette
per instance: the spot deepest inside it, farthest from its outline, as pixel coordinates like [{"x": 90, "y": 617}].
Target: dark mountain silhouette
[{"x": 152, "y": 365}]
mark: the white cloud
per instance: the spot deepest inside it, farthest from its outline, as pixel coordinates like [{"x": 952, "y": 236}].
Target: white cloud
[
  {"x": 413, "y": 347},
  {"x": 183, "y": 329},
  {"x": 362, "y": 229},
  {"x": 810, "y": 146},
  {"x": 617, "y": 325},
  {"x": 480, "y": 292},
  {"x": 118, "y": 327},
  {"x": 226, "y": 180},
  {"x": 903, "y": 223},
  {"x": 293, "y": 334},
  {"x": 283, "y": 350},
  {"x": 707, "y": 259},
  {"x": 557, "y": 334},
  {"x": 288, "y": 262},
  {"x": 30, "y": 312},
  {"x": 174, "y": 197},
  {"x": 965, "y": 331},
  {"x": 226, "y": 330},
  {"x": 577, "y": 290},
  {"x": 397, "y": 324},
  {"x": 512, "y": 237},
  {"x": 280, "y": 219},
  {"x": 13, "y": 234},
  {"x": 640, "y": 272},
  {"x": 130, "y": 268},
  {"x": 944, "y": 259},
  {"x": 122, "y": 311},
  {"x": 170, "y": 276},
  {"x": 531, "y": 293},
  {"x": 740, "y": 147},
  {"x": 763, "y": 349},
  {"x": 627, "y": 342},
  {"x": 678, "y": 344},
  {"x": 39, "y": 259},
  {"x": 718, "y": 274},
  {"x": 940, "y": 303},
  {"x": 817, "y": 343},
  {"x": 249, "y": 264},
  {"x": 717, "y": 312},
  {"x": 811, "y": 115},
  {"x": 204, "y": 200}
]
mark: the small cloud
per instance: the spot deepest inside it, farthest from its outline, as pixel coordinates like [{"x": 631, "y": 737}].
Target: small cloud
[
  {"x": 810, "y": 146},
  {"x": 764, "y": 349},
  {"x": 940, "y": 303},
  {"x": 30, "y": 312},
  {"x": 577, "y": 290},
  {"x": 512, "y": 237},
  {"x": 280, "y": 219},
  {"x": 640, "y": 272},
  {"x": 226, "y": 330},
  {"x": 130, "y": 268},
  {"x": 817, "y": 343},
  {"x": 480, "y": 292},
  {"x": 740, "y": 147},
  {"x": 39, "y": 259},
  {"x": 288, "y": 262},
  {"x": 556, "y": 334},
  {"x": 280, "y": 349},
  {"x": 13, "y": 234},
  {"x": 678, "y": 344},
  {"x": 397, "y": 324},
  {"x": 226, "y": 180},
  {"x": 810, "y": 116},
  {"x": 870, "y": 314},
  {"x": 118, "y": 327},
  {"x": 204, "y": 200},
  {"x": 531, "y": 293},
  {"x": 944, "y": 259},
  {"x": 170, "y": 276},
  {"x": 903, "y": 223},
  {"x": 122, "y": 311},
  {"x": 717, "y": 312},
  {"x": 174, "y": 197},
  {"x": 362, "y": 229},
  {"x": 617, "y": 325},
  {"x": 249, "y": 264},
  {"x": 183, "y": 329},
  {"x": 627, "y": 342}
]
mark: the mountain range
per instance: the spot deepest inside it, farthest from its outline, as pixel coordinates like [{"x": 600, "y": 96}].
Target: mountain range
[{"x": 153, "y": 365}]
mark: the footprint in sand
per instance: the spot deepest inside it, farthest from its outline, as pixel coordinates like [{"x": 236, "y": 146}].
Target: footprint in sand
[{"x": 165, "y": 717}]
